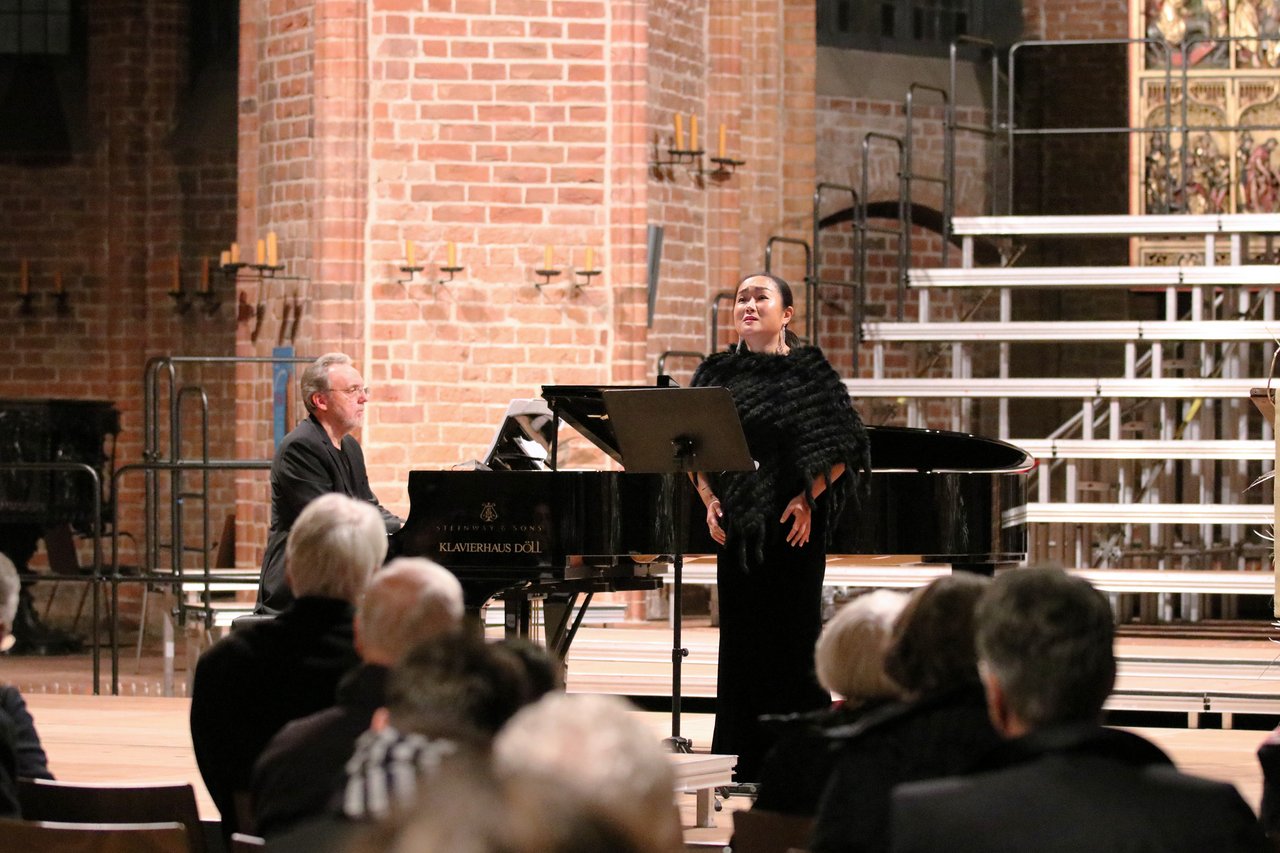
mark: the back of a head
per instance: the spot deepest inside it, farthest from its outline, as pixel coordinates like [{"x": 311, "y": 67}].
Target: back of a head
[
  {"x": 410, "y": 601},
  {"x": 334, "y": 545},
  {"x": 932, "y": 647},
  {"x": 456, "y": 684},
  {"x": 849, "y": 655},
  {"x": 1047, "y": 638},
  {"x": 477, "y": 813},
  {"x": 596, "y": 748},
  {"x": 9, "y": 587}
]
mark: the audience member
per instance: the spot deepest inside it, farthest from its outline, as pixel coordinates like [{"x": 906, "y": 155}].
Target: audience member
[
  {"x": 249, "y": 684},
  {"x": 31, "y": 760},
  {"x": 319, "y": 456},
  {"x": 1063, "y": 783},
  {"x": 1269, "y": 760},
  {"x": 446, "y": 699},
  {"x": 940, "y": 730},
  {"x": 19, "y": 742},
  {"x": 594, "y": 748},
  {"x": 849, "y": 659},
  {"x": 411, "y": 601},
  {"x": 477, "y": 813}
]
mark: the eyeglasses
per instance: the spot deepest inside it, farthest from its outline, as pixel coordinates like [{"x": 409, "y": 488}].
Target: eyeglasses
[{"x": 353, "y": 391}]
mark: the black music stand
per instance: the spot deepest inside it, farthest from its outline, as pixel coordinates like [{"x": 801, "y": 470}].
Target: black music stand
[{"x": 677, "y": 432}]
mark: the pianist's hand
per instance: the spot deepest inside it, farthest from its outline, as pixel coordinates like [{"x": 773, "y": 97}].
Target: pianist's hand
[
  {"x": 713, "y": 521},
  {"x": 801, "y": 520}
]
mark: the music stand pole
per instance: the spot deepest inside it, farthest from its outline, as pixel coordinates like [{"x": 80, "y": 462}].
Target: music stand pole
[
  {"x": 681, "y": 450},
  {"x": 676, "y": 432}
]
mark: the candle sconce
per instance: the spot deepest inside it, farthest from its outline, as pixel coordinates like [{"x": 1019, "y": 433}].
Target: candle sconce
[
  {"x": 546, "y": 275},
  {"x": 409, "y": 271},
  {"x": 451, "y": 270},
  {"x": 725, "y": 167},
  {"x": 588, "y": 275}
]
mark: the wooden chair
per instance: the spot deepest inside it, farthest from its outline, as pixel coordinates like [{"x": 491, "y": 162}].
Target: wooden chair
[
  {"x": 24, "y": 836},
  {"x": 47, "y": 800},
  {"x": 759, "y": 831}
]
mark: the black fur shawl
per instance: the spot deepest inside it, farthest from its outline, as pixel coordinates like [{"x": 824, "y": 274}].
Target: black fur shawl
[{"x": 799, "y": 422}]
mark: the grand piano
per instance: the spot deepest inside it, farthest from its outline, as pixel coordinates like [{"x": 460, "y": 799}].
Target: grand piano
[{"x": 520, "y": 526}]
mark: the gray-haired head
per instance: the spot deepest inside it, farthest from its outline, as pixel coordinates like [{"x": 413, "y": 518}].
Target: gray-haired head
[
  {"x": 1047, "y": 637},
  {"x": 315, "y": 377},
  {"x": 409, "y": 601},
  {"x": 333, "y": 547},
  {"x": 9, "y": 587},
  {"x": 849, "y": 655}
]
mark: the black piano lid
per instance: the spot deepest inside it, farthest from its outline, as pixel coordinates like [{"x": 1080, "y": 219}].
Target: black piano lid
[
  {"x": 582, "y": 407},
  {"x": 892, "y": 448}
]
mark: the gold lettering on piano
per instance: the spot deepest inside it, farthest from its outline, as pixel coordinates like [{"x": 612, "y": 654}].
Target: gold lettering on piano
[{"x": 530, "y": 546}]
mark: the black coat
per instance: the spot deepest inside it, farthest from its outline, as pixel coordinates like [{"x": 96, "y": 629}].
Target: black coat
[
  {"x": 941, "y": 735},
  {"x": 796, "y": 770},
  {"x": 252, "y": 682},
  {"x": 306, "y": 466},
  {"x": 1075, "y": 788},
  {"x": 31, "y": 761},
  {"x": 304, "y": 766}
]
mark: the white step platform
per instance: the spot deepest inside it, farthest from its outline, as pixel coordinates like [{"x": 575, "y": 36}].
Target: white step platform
[
  {"x": 1251, "y": 275},
  {"x": 1141, "y": 513},
  {"x": 1146, "y": 449},
  {"x": 1115, "y": 225},
  {"x": 1039, "y": 388},
  {"x": 868, "y": 573},
  {"x": 1100, "y": 331}
]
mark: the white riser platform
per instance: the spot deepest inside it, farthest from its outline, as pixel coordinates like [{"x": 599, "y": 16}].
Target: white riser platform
[
  {"x": 1101, "y": 331},
  {"x": 1255, "y": 275}
]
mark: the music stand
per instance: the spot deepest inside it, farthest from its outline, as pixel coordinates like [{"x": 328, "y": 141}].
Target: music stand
[{"x": 676, "y": 432}]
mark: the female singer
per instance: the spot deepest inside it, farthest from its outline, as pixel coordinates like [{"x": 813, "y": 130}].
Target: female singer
[{"x": 771, "y": 523}]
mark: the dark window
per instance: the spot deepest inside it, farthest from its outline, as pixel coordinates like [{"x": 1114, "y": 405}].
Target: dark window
[
  {"x": 35, "y": 27},
  {"x": 922, "y": 27}
]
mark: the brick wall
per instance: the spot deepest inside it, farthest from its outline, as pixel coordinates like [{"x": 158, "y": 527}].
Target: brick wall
[{"x": 112, "y": 221}]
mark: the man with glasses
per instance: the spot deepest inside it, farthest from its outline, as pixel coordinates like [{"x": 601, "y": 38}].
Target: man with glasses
[{"x": 319, "y": 456}]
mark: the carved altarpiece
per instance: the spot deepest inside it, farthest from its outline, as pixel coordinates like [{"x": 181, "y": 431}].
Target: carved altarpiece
[{"x": 1205, "y": 90}]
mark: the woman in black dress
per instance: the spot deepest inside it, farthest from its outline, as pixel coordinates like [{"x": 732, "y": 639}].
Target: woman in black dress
[{"x": 771, "y": 523}]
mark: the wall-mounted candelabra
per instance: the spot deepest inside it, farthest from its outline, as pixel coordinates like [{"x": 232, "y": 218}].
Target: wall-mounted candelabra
[
  {"x": 27, "y": 295},
  {"x": 412, "y": 268},
  {"x": 587, "y": 271},
  {"x": 205, "y": 297},
  {"x": 691, "y": 157}
]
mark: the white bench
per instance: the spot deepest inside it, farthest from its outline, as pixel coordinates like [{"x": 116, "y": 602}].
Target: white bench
[
  {"x": 1099, "y": 331},
  {"x": 1250, "y": 275}
]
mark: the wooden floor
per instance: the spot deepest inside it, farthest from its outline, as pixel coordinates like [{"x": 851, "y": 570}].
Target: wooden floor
[{"x": 143, "y": 737}]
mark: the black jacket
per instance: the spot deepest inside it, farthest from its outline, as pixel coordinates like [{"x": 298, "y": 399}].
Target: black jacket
[
  {"x": 252, "y": 682},
  {"x": 303, "y": 767},
  {"x": 1074, "y": 788},
  {"x": 306, "y": 466},
  {"x": 940, "y": 735}
]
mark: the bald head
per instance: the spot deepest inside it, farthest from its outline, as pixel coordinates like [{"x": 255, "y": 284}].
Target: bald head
[{"x": 410, "y": 601}]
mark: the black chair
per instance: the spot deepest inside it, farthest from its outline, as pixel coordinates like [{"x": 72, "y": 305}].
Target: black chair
[
  {"x": 26, "y": 836},
  {"x": 47, "y": 800}
]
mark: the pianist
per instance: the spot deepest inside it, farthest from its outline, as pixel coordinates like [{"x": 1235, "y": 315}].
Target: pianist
[
  {"x": 771, "y": 523},
  {"x": 319, "y": 456}
]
